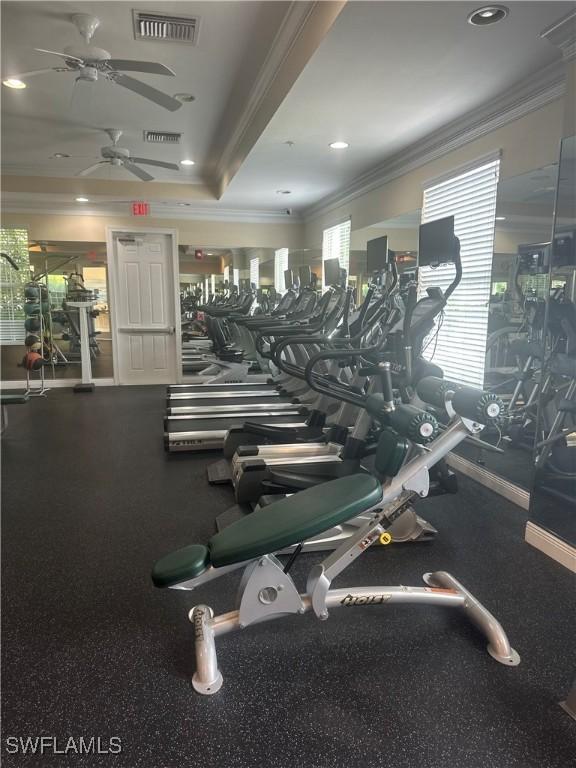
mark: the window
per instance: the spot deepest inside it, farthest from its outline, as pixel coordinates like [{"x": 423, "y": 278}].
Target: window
[
  {"x": 13, "y": 242},
  {"x": 213, "y": 283},
  {"x": 336, "y": 245},
  {"x": 255, "y": 271},
  {"x": 460, "y": 346},
  {"x": 280, "y": 266},
  {"x": 236, "y": 277},
  {"x": 227, "y": 275}
]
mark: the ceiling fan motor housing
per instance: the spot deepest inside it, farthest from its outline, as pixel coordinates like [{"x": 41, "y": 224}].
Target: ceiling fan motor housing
[{"x": 115, "y": 153}]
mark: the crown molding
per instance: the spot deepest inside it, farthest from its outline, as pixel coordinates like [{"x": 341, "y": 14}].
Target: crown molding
[
  {"x": 291, "y": 30},
  {"x": 528, "y": 96},
  {"x": 191, "y": 214},
  {"x": 562, "y": 34}
]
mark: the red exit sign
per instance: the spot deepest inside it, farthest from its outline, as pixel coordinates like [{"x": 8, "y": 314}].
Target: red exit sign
[{"x": 140, "y": 209}]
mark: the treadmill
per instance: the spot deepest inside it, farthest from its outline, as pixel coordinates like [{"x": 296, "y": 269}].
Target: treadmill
[
  {"x": 295, "y": 305},
  {"x": 206, "y": 431},
  {"x": 292, "y": 304},
  {"x": 270, "y": 399}
]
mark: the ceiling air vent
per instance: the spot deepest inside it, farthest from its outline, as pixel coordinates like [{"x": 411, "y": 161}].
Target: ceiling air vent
[
  {"x": 162, "y": 137},
  {"x": 162, "y": 27}
]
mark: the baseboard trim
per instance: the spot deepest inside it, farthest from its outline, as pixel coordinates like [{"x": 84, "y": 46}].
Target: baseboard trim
[
  {"x": 53, "y": 384},
  {"x": 501, "y": 486},
  {"x": 551, "y": 545}
]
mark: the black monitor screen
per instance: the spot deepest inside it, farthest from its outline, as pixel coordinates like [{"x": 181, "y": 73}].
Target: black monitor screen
[
  {"x": 305, "y": 274},
  {"x": 288, "y": 279},
  {"x": 331, "y": 272},
  {"x": 564, "y": 250},
  {"x": 532, "y": 259},
  {"x": 377, "y": 254},
  {"x": 437, "y": 244}
]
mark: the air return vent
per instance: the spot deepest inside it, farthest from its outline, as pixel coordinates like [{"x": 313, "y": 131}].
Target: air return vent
[
  {"x": 162, "y": 137},
  {"x": 162, "y": 27}
]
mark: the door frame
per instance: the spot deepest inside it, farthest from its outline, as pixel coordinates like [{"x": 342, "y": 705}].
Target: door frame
[{"x": 114, "y": 291}]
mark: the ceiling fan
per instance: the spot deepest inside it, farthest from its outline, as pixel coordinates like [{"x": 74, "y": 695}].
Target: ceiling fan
[
  {"x": 91, "y": 62},
  {"x": 121, "y": 157}
]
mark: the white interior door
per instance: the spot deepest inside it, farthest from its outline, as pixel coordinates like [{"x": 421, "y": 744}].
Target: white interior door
[{"x": 145, "y": 311}]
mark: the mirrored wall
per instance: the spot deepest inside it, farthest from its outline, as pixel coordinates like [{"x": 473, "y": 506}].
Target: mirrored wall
[
  {"x": 50, "y": 330},
  {"x": 553, "y": 502}
]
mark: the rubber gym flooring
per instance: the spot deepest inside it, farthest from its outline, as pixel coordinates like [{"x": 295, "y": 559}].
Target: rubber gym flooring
[{"x": 90, "y": 648}]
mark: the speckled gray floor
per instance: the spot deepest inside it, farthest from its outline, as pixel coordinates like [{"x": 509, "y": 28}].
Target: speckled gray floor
[{"x": 91, "y": 648}]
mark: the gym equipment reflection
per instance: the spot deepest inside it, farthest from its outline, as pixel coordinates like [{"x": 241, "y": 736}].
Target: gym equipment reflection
[
  {"x": 41, "y": 339},
  {"x": 554, "y": 493}
]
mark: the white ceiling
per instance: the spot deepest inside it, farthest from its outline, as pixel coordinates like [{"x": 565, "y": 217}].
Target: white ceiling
[
  {"x": 387, "y": 75},
  {"x": 52, "y": 115}
]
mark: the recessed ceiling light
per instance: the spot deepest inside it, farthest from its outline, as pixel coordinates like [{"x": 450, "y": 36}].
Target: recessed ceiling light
[
  {"x": 489, "y": 14},
  {"x": 186, "y": 162},
  {"x": 59, "y": 155},
  {"x": 339, "y": 145},
  {"x": 283, "y": 191},
  {"x": 82, "y": 200},
  {"x": 185, "y": 98},
  {"x": 500, "y": 218},
  {"x": 13, "y": 82},
  {"x": 209, "y": 253}
]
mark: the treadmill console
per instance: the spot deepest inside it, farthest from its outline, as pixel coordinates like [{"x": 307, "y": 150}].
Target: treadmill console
[
  {"x": 437, "y": 243},
  {"x": 331, "y": 272},
  {"x": 305, "y": 275},
  {"x": 377, "y": 254}
]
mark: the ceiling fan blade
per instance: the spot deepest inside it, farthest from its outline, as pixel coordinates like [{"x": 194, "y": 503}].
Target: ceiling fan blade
[
  {"x": 158, "y": 163},
  {"x": 152, "y": 94},
  {"x": 33, "y": 72},
  {"x": 62, "y": 55},
  {"x": 127, "y": 65},
  {"x": 91, "y": 168},
  {"x": 140, "y": 172}
]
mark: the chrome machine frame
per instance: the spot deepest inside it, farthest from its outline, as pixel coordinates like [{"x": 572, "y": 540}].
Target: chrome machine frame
[{"x": 267, "y": 592}]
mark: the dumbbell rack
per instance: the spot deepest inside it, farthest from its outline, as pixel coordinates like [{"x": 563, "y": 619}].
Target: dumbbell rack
[{"x": 38, "y": 391}]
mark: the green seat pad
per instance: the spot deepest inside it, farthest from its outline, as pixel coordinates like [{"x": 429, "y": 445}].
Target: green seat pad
[
  {"x": 184, "y": 564},
  {"x": 13, "y": 399},
  {"x": 295, "y": 519}
]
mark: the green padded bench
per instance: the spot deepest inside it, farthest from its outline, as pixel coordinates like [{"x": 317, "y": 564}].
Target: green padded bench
[
  {"x": 13, "y": 399},
  {"x": 10, "y": 399},
  {"x": 283, "y": 524}
]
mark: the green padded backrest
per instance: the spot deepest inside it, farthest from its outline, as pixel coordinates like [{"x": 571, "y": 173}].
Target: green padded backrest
[{"x": 295, "y": 519}]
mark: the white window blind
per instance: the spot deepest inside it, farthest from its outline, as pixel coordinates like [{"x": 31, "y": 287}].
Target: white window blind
[
  {"x": 213, "y": 283},
  {"x": 227, "y": 275},
  {"x": 206, "y": 289},
  {"x": 460, "y": 346},
  {"x": 280, "y": 266},
  {"x": 255, "y": 271},
  {"x": 236, "y": 276},
  {"x": 336, "y": 245}
]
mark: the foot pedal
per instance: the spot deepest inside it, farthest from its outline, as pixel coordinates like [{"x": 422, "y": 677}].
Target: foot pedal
[
  {"x": 219, "y": 473},
  {"x": 232, "y": 515}
]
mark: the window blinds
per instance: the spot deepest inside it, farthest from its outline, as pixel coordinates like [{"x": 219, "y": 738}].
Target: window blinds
[
  {"x": 336, "y": 245},
  {"x": 280, "y": 266},
  {"x": 213, "y": 283},
  {"x": 227, "y": 275},
  {"x": 255, "y": 271},
  {"x": 236, "y": 276},
  {"x": 460, "y": 346}
]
